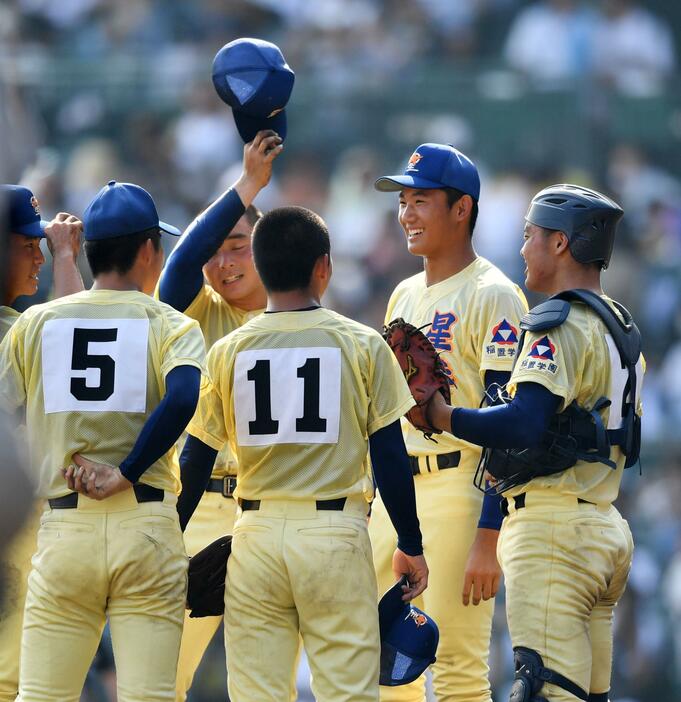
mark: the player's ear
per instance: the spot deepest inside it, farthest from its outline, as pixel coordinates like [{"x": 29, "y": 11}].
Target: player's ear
[
  {"x": 462, "y": 208},
  {"x": 561, "y": 242}
]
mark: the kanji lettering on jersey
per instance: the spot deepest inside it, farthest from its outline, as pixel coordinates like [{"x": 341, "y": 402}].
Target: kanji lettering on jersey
[{"x": 440, "y": 333}]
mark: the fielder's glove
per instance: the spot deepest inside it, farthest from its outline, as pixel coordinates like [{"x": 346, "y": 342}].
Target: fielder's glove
[
  {"x": 206, "y": 579},
  {"x": 424, "y": 370}
]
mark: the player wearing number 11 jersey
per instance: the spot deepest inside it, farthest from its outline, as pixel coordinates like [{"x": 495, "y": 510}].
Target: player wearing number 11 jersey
[
  {"x": 109, "y": 378},
  {"x": 299, "y": 392}
]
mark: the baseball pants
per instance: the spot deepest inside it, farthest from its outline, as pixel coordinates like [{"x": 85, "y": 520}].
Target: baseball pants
[
  {"x": 114, "y": 559},
  {"x": 214, "y": 517},
  {"x": 566, "y": 565},
  {"x": 16, "y": 566},
  {"x": 449, "y": 508},
  {"x": 299, "y": 571}
]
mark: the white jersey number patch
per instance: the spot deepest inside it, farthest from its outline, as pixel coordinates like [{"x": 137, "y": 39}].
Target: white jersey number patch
[
  {"x": 95, "y": 365},
  {"x": 287, "y": 396}
]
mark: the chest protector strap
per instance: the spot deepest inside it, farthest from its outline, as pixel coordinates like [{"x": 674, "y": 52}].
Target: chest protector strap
[{"x": 576, "y": 433}]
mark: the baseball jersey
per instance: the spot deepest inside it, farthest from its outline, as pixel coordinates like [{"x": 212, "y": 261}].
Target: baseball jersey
[
  {"x": 297, "y": 395},
  {"x": 90, "y": 368},
  {"x": 579, "y": 361},
  {"x": 7, "y": 318},
  {"x": 217, "y": 317},
  {"x": 473, "y": 319}
]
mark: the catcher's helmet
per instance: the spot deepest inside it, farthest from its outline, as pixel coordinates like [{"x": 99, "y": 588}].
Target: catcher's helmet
[{"x": 588, "y": 218}]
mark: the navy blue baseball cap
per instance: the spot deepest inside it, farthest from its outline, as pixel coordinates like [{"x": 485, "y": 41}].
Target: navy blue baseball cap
[
  {"x": 253, "y": 78},
  {"x": 409, "y": 638},
  {"x": 23, "y": 210},
  {"x": 119, "y": 209},
  {"x": 435, "y": 166}
]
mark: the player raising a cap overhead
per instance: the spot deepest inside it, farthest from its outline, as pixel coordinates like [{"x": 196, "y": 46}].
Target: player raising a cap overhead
[{"x": 471, "y": 311}]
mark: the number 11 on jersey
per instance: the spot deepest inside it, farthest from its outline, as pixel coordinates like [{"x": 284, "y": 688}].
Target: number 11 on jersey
[{"x": 289, "y": 395}]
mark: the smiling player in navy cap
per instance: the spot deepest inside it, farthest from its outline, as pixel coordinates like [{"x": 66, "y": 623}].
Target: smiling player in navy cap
[
  {"x": 109, "y": 377},
  {"x": 470, "y": 311},
  {"x": 24, "y": 259}
]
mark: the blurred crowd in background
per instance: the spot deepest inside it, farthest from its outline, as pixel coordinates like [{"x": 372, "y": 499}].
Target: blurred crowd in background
[{"x": 535, "y": 92}]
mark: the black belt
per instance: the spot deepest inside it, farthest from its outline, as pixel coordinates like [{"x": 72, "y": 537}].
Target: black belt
[
  {"x": 333, "y": 505},
  {"x": 225, "y": 486},
  {"x": 443, "y": 460},
  {"x": 143, "y": 493},
  {"x": 519, "y": 502}
]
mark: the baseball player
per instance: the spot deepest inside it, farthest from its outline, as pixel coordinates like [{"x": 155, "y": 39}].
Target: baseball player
[
  {"x": 218, "y": 243},
  {"x": 573, "y": 426},
  {"x": 109, "y": 378},
  {"x": 24, "y": 260},
  {"x": 471, "y": 311},
  {"x": 301, "y": 392}
]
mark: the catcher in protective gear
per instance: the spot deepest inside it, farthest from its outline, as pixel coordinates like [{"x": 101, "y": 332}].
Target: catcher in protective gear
[
  {"x": 206, "y": 579},
  {"x": 424, "y": 370}
]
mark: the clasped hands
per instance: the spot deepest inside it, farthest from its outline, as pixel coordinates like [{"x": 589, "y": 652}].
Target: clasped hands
[{"x": 95, "y": 480}]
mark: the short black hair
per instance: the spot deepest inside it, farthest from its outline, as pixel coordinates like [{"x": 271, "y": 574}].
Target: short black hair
[
  {"x": 118, "y": 253},
  {"x": 453, "y": 196},
  {"x": 287, "y": 242}
]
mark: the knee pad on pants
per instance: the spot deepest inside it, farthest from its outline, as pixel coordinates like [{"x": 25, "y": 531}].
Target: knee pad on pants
[{"x": 530, "y": 676}]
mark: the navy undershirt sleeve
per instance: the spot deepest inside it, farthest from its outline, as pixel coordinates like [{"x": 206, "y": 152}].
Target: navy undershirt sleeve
[
  {"x": 490, "y": 514},
  {"x": 519, "y": 424},
  {"x": 165, "y": 424},
  {"x": 196, "y": 465},
  {"x": 182, "y": 276},
  {"x": 396, "y": 484}
]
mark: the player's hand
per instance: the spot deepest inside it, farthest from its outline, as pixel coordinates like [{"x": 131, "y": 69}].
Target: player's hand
[
  {"x": 63, "y": 235},
  {"x": 483, "y": 574},
  {"x": 416, "y": 570},
  {"x": 96, "y": 480},
  {"x": 439, "y": 413},
  {"x": 257, "y": 171}
]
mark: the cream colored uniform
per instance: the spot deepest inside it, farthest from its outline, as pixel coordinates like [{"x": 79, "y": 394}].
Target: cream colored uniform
[
  {"x": 90, "y": 368},
  {"x": 566, "y": 555},
  {"x": 215, "y": 513},
  {"x": 297, "y": 395},
  {"x": 473, "y": 318},
  {"x": 17, "y": 565}
]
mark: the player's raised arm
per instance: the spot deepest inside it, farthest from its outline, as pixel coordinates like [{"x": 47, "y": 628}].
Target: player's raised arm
[
  {"x": 182, "y": 276},
  {"x": 63, "y": 236}
]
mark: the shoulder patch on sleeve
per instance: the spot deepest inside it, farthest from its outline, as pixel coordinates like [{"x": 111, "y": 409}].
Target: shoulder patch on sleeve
[{"x": 547, "y": 315}]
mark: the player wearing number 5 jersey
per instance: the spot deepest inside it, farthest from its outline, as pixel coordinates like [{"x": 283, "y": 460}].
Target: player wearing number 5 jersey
[
  {"x": 299, "y": 392},
  {"x": 109, "y": 378}
]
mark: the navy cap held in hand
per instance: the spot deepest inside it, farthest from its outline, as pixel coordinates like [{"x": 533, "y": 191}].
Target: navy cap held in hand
[
  {"x": 409, "y": 638},
  {"x": 23, "y": 211},
  {"x": 253, "y": 78},
  {"x": 120, "y": 209},
  {"x": 435, "y": 166}
]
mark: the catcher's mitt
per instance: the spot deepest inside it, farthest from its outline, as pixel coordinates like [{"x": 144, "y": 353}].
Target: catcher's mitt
[
  {"x": 424, "y": 370},
  {"x": 206, "y": 579}
]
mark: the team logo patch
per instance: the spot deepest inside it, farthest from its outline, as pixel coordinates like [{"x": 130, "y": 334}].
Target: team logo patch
[
  {"x": 542, "y": 349},
  {"x": 417, "y": 617},
  {"x": 35, "y": 205},
  {"x": 504, "y": 333},
  {"x": 413, "y": 161}
]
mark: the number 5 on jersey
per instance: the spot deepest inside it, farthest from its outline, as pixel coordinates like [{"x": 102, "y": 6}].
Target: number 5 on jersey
[
  {"x": 95, "y": 365},
  {"x": 287, "y": 396}
]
